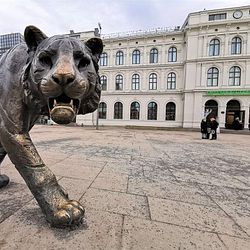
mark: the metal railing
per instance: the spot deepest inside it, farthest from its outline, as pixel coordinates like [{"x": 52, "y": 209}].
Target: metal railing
[{"x": 141, "y": 32}]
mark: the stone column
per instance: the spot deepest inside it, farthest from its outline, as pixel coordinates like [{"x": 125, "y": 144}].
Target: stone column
[
  {"x": 246, "y": 108},
  {"x": 222, "y": 117}
]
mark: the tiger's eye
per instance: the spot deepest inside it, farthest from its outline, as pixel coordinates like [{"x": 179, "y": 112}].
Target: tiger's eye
[
  {"x": 45, "y": 60},
  {"x": 83, "y": 63}
]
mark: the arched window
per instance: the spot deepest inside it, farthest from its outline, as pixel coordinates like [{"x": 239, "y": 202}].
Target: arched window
[
  {"x": 236, "y": 46},
  {"x": 171, "y": 84},
  {"x": 135, "y": 111},
  {"x": 102, "y": 110},
  {"x": 170, "y": 111},
  {"x": 152, "y": 81},
  {"x": 104, "y": 59},
  {"x": 172, "y": 54},
  {"x": 119, "y": 58},
  {"x": 153, "y": 56},
  {"x": 118, "y": 110},
  {"x": 212, "y": 77},
  {"x": 119, "y": 82},
  {"x": 103, "y": 81},
  {"x": 135, "y": 82},
  {"x": 214, "y": 47},
  {"x": 152, "y": 111},
  {"x": 211, "y": 109},
  {"x": 136, "y": 57},
  {"x": 234, "y": 76}
]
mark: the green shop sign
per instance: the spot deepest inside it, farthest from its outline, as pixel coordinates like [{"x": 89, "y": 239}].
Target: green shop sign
[{"x": 228, "y": 92}]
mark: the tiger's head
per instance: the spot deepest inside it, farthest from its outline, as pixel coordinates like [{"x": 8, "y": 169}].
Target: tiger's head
[{"x": 63, "y": 71}]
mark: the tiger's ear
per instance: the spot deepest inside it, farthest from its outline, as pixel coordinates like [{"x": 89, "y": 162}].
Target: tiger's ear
[
  {"x": 33, "y": 36},
  {"x": 96, "y": 47}
]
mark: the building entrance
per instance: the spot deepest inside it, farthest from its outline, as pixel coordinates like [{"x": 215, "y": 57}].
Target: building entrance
[
  {"x": 234, "y": 116},
  {"x": 211, "y": 108}
]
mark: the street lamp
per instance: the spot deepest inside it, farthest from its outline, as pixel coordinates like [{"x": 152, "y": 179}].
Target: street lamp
[{"x": 97, "y": 113}]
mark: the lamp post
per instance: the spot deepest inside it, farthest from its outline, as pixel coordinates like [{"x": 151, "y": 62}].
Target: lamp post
[
  {"x": 97, "y": 118},
  {"x": 97, "y": 112}
]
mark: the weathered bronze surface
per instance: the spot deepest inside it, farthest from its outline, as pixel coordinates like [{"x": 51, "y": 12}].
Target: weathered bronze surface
[{"x": 57, "y": 76}]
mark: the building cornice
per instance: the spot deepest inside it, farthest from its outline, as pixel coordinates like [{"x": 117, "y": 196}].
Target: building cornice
[
  {"x": 141, "y": 67},
  {"x": 142, "y": 92},
  {"x": 158, "y": 32},
  {"x": 219, "y": 59},
  {"x": 216, "y": 24},
  {"x": 205, "y": 90}
]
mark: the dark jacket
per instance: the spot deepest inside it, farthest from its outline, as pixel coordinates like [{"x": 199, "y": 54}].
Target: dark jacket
[
  {"x": 236, "y": 124},
  {"x": 214, "y": 125},
  {"x": 203, "y": 126}
]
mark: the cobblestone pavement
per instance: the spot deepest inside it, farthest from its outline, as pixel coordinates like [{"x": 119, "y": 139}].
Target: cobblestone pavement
[{"x": 142, "y": 189}]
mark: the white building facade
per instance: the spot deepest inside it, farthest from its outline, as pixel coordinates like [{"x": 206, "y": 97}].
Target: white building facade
[{"x": 172, "y": 77}]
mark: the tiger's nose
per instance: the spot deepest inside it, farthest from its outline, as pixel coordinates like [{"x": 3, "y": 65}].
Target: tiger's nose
[
  {"x": 63, "y": 79},
  {"x": 64, "y": 72}
]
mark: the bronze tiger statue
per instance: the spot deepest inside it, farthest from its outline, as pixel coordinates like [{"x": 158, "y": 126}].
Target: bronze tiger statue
[{"x": 57, "y": 76}]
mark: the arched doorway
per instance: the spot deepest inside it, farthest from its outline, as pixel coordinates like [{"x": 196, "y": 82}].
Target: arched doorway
[
  {"x": 233, "y": 113},
  {"x": 135, "y": 111},
  {"x": 152, "y": 111},
  {"x": 211, "y": 109}
]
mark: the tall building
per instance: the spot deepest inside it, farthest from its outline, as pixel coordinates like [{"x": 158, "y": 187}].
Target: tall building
[
  {"x": 174, "y": 77},
  {"x": 9, "y": 40}
]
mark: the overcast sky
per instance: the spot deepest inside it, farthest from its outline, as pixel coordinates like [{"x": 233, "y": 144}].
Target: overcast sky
[{"x": 60, "y": 16}]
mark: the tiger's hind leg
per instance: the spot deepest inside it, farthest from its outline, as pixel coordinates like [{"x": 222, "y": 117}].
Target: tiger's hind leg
[{"x": 4, "y": 179}]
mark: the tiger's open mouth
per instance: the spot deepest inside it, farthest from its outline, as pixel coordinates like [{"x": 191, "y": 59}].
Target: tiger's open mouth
[{"x": 63, "y": 109}]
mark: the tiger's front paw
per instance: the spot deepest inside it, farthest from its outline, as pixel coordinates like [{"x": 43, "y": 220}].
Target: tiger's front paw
[{"x": 71, "y": 213}]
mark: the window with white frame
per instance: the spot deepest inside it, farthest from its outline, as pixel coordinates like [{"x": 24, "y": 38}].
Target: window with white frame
[
  {"x": 219, "y": 16},
  {"x": 152, "y": 111},
  {"x": 234, "y": 76},
  {"x": 214, "y": 47},
  {"x": 118, "y": 110},
  {"x": 104, "y": 59},
  {"x": 171, "y": 81},
  {"x": 103, "y": 81},
  {"x": 135, "y": 111},
  {"x": 119, "y": 82},
  {"x": 153, "y": 56},
  {"x": 135, "y": 82},
  {"x": 152, "y": 81},
  {"x": 212, "y": 77},
  {"x": 119, "y": 58},
  {"x": 136, "y": 57},
  {"x": 102, "y": 110},
  {"x": 236, "y": 46},
  {"x": 170, "y": 111},
  {"x": 172, "y": 54}
]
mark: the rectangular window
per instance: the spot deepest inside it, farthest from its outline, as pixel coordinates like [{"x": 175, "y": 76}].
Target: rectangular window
[
  {"x": 215, "y": 17},
  {"x": 104, "y": 59},
  {"x": 75, "y": 36},
  {"x": 135, "y": 85}
]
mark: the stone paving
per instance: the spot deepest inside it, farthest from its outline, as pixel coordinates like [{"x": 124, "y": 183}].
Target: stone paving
[{"x": 142, "y": 189}]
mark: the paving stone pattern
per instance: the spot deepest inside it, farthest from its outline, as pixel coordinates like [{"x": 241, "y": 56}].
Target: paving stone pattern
[{"x": 142, "y": 189}]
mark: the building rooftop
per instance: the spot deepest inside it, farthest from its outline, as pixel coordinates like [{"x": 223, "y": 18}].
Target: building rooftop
[{"x": 139, "y": 33}]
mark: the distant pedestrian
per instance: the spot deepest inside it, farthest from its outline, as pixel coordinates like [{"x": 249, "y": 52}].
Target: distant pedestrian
[
  {"x": 213, "y": 125},
  {"x": 237, "y": 124},
  {"x": 204, "y": 127}
]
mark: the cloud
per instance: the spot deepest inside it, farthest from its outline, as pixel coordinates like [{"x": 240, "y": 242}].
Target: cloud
[{"x": 60, "y": 16}]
